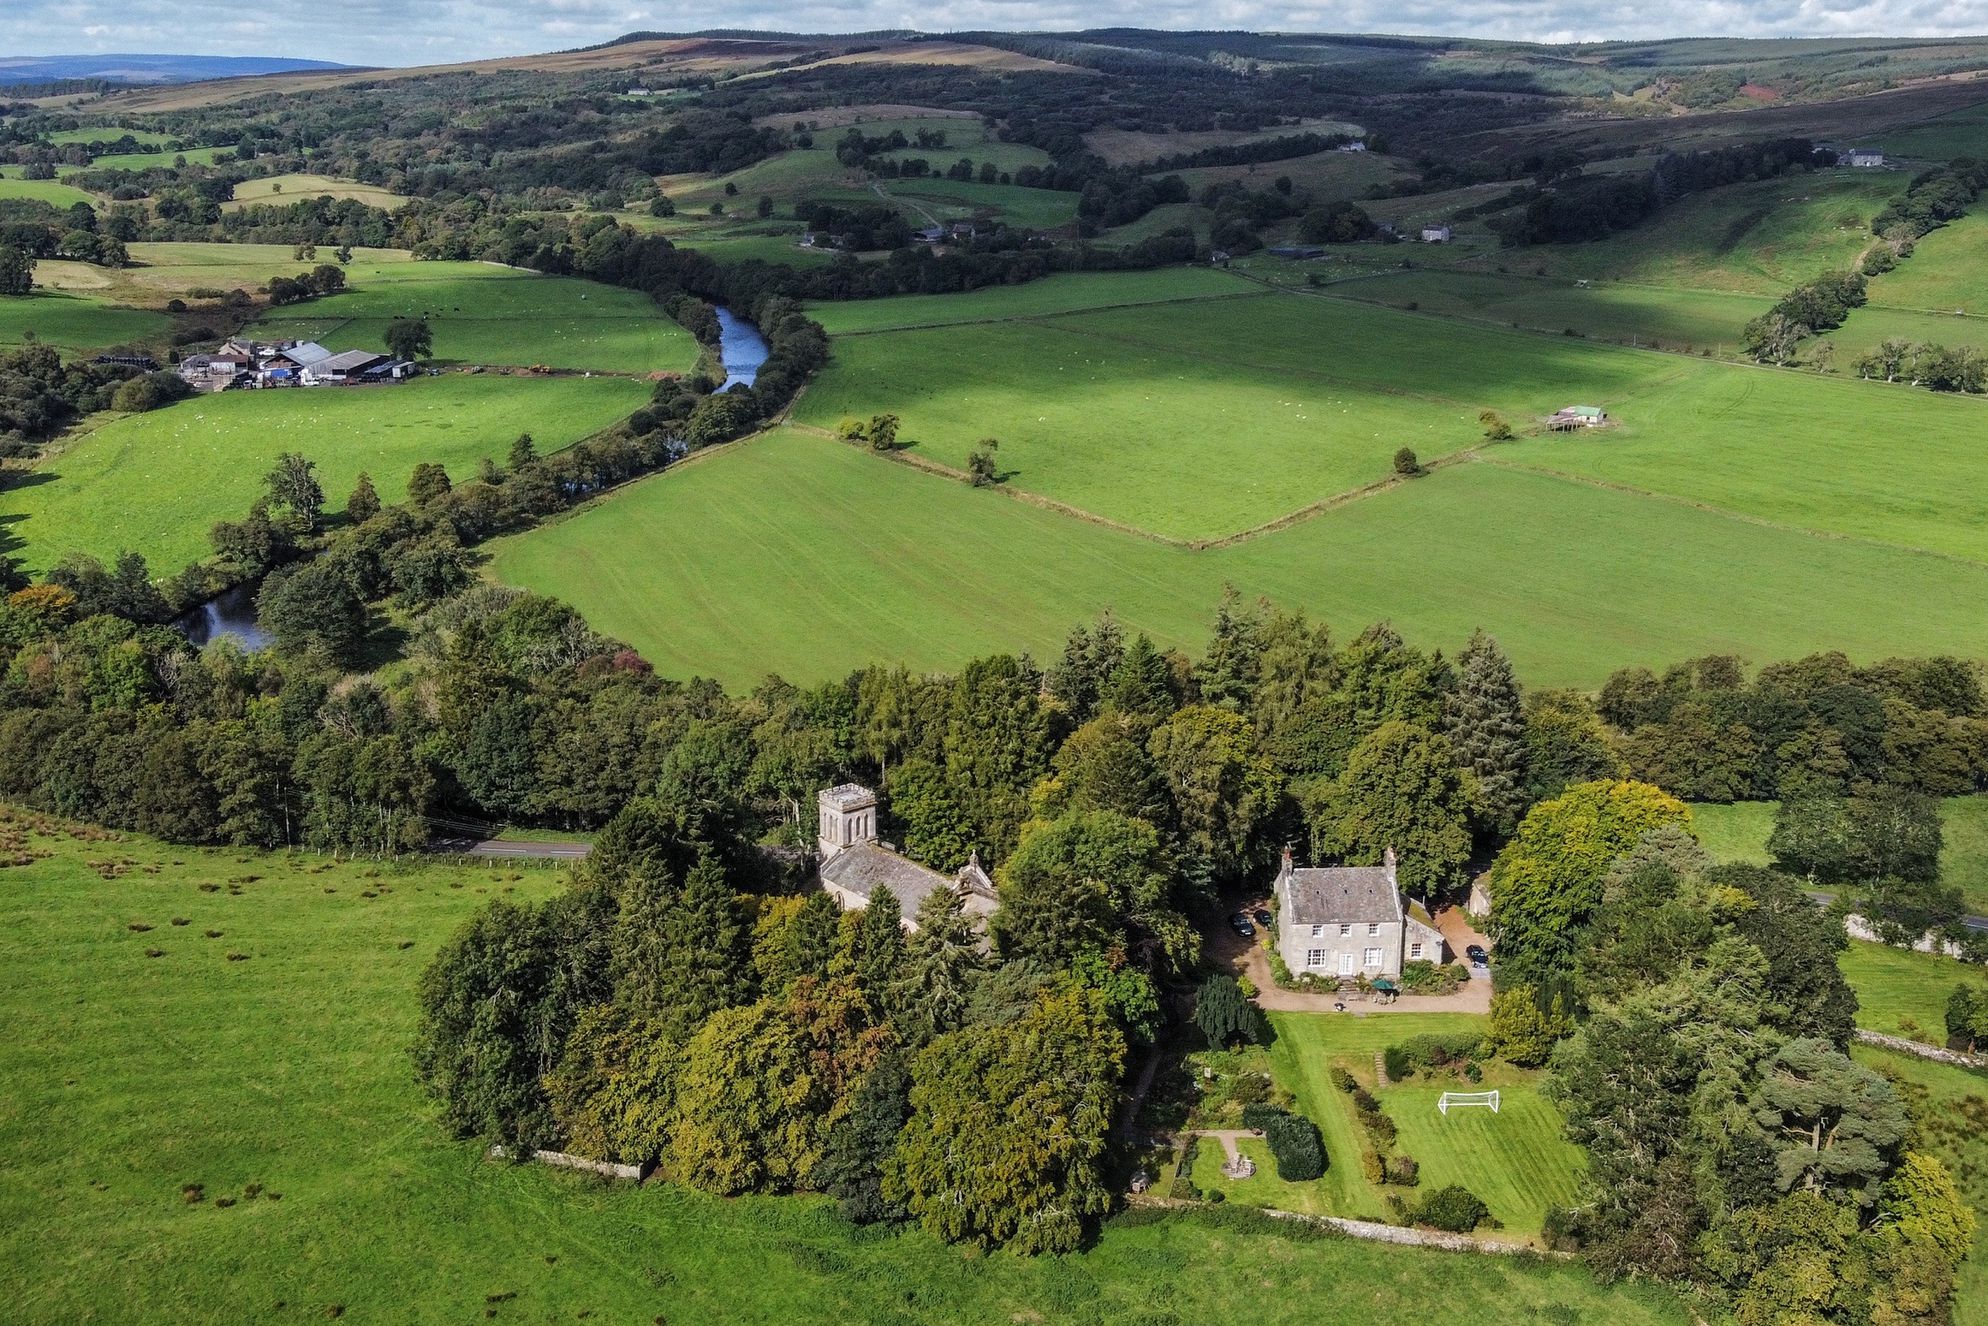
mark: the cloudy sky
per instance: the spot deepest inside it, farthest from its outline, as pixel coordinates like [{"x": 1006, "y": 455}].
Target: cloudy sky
[{"x": 404, "y": 32}]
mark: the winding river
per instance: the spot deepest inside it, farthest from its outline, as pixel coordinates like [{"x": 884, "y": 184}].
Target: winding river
[{"x": 742, "y": 348}]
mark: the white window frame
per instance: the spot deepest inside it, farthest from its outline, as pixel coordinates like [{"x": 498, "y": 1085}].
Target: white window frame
[
  {"x": 1373, "y": 929},
  {"x": 1318, "y": 931},
  {"x": 1345, "y": 928},
  {"x": 1373, "y": 957},
  {"x": 1415, "y": 950},
  {"x": 1315, "y": 957}
]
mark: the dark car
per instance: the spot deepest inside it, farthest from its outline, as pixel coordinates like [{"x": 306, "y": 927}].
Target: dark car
[
  {"x": 1478, "y": 957},
  {"x": 1262, "y": 917},
  {"x": 1240, "y": 924}
]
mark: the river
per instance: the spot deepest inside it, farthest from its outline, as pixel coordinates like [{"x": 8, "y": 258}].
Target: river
[
  {"x": 742, "y": 348},
  {"x": 232, "y": 615}
]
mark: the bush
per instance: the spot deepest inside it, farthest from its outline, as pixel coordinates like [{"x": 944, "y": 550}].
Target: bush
[
  {"x": 1297, "y": 1146},
  {"x": 1454, "y": 1209},
  {"x": 1397, "y": 1062},
  {"x": 1182, "y": 1188},
  {"x": 1560, "y": 1231},
  {"x": 1258, "y": 1117},
  {"x": 1373, "y": 1168},
  {"x": 1403, "y": 1172},
  {"x": 1406, "y": 464},
  {"x": 1363, "y": 1100},
  {"x": 1342, "y": 1079}
]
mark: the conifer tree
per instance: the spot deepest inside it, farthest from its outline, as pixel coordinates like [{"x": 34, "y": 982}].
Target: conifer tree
[
  {"x": 1229, "y": 671},
  {"x": 364, "y": 503},
  {"x": 1140, "y": 686},
  {"x": 941, "y": 961},
  {"x": 874, "y": 953},
  {"x": 702, "y": 951},
  {"x": 1486, "y": 726}
]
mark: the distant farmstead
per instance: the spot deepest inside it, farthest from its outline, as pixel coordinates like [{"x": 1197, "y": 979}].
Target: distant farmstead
[
  {"x": 242, "y": 364},
  {"x": 1864, "y": 158},
  {"x": 855, "y": 865},
  {"x": 1437, "y": 234}
]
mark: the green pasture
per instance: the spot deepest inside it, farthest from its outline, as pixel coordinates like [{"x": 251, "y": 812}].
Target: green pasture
[
  {"x": 163, "y": 271},
  {"x": 786, "y": 177},
  {"x": 1670, "y": 319},
  {"x": 192, "y": 156},
  {"x": 72, "y": 323},
  {"x": 1324, "y": 175},
  {"x": 1869, "y": 327},
  {"x": 969, "y": 138},
  {"x": 1889, "y": 463},
  {"x": 126, "y": 1078},
  {"x": 485, "y": 314},
  {"x": 1759, "y": 238},
  {"x": 1069, "y": 292},
  {"x": 1961, "y": 133},
  {"x": 1950, "y": 1107},
  {"x": 1739, "y": 832},
  {"x": 1165, "y": 217},
  {"x": 280, "y": 189},
  {"x": 1196, "y": 421},
  {"x": 807, "y": 557},
  {"x": 959, "y": 200},
  {"x": 1904, "y": 993},
  {"x": 1947, "y": 272},
  {"x": 154, "y": 483},
  {"x": 100, "y": 133},
  {"x": 53, "y": 192}
]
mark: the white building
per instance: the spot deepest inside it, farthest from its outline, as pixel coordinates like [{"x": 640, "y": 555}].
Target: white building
[
  {"x": 1347, "y": 921},
  {"x": 1436, "y": 234},
  {"x": 1864, "y": 158}
]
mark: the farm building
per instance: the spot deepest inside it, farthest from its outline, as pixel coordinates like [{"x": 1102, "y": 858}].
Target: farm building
[
  {"x": 1864, "y": 158},
  {"x": 1348, "y": 921},
  {"x": 355, "y": 366},
  {"x": 1437, "y": 234},
  {"x": 1298, "y": 251},
  {"x": 1577, "y": 416},
  {"x": 854, "y": 864},
  {"x": 1357, "y": 145}
]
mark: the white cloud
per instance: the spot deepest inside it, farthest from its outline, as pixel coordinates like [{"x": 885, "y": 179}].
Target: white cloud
[{"x": 389, "y": 32}]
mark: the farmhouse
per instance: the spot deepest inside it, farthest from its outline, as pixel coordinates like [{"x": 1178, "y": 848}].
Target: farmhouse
[
  {"x": 1348, "y": 921},
  {"x": 1437, "y": 234},
  {"x": 854, "y": 864},
  {"x": 215, "y": 372},
  {"x": 1570, "y": 417},
  {"x": 1357, "y": 145},
  {"x": 1864, "y": 158}
]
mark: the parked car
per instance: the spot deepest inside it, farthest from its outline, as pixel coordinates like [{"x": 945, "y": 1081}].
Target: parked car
[
  {"x": 1478, "y": 957},
  {"x": 1240, "y": 924},
  {"x": 1262, "y": 917}
]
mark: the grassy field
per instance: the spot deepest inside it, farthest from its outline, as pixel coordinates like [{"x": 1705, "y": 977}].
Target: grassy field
[
  {"x": 102, "y": 133},
  {"x": 485, "y": 314},
  {"x": 1627, "y": 314},
  {"x": 53, "y": 192},
  {"x": 1950, "y": 1105},
  {"x": 125, "y": 1078},
  {"x": 1961, "y": 133},
  {"x": 71, "y": 322},
  {"x": 192, "y": 156},
  {"x": 1126, "y": 147},
  {"x": 1759, "y": 238},
  {"x": 1947, "y": 272},
  {"x": 1515, "y": 1159},
  {"x": 291, "y": 188},
  {"x": 154, "y": 483},
  {"x": 1068, "y": 293},
  {"x": 1738, "y": 832},
  {"x": 1903, "y": 993},
  {"x": 959, "y": 200},
  {"x": 1325, "y": 175},
  {"x": 808, "y": 557},
  {"x": 163, "y": 271}
]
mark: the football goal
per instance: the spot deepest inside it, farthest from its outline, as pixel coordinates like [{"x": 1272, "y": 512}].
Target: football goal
[{"x": 1457, "y": 1099}]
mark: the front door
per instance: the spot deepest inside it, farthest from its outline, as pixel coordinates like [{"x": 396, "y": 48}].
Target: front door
[{"x": 1345, "y": 964}]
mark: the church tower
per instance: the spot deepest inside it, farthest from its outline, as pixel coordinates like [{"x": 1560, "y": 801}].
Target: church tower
[{"x": 848, "y": 817}]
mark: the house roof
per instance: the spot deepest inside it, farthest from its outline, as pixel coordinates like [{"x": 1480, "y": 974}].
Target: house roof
[
  {"x": 1343, "y": 894},
  {"x": 866, "y": 867}
]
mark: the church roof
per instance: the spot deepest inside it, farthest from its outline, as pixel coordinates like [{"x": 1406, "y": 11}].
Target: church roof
[
  {"x": 866, "y": 867},
  {"x": 1341, "y": 894}
]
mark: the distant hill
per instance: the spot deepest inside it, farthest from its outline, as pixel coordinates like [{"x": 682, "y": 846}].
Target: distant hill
[{"x": 19, "y": 69}]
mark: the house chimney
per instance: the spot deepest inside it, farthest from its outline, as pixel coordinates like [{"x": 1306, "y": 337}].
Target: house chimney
[
  {"x": 1387, "y": 859},
  {"x": 1287, "y": 858}
]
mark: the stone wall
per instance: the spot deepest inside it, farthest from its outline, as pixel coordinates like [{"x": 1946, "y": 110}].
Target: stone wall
[
  {"x": 604, "y": 1168},
  {"x": 1923, "y": 1050}
]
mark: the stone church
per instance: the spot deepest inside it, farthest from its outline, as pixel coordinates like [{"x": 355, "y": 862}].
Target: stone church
[{"x": 854, "y": 863}]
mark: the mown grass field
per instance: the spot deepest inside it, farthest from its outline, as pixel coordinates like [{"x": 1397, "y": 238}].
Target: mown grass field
[
  {"x": 807, "y": 557},
  {"x": 1903, "y": 993},
  {"x": 958, "y": 200},
  {"x": 1067, "y": 293},
  {"x": 1516, "y": 1159},
  {"x": 100, "y": 133},
  {"x": 484, "y": 314},
  {"x": 53, "y": 192},
  {"x": 193, "y": 156},
  {"x": 1738, "y": 832},
  {"x": 124, "y": 1078},
  {"x": 154, "y": 483},
  {"x": 71, "y": 322},
  {"x": 1947, "y": 272},
  {"x": 292, "y": 188},
  {"x": 163, "y": 271},
  {"x": 1687, "y": 320}
]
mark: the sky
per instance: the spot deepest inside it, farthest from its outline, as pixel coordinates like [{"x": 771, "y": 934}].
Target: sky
[{"x": 409, "y": 32}]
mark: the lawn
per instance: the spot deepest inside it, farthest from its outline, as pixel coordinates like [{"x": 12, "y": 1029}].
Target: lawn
[
  {"x": 1948, "y": 271},
  {"x": 281, "y": 189},
  {"x": 125, "y": 1078},
  {"x": 154, "y": 483},
  {"x": 1065, "y": 293},
  {"x": 1738, "y": 832},
  {"x": 1516, "y": 1159},
  {"x": 70, "y": 322},
  {"x": 486, "y": 314},
  {"x": 802, "y": 556},
  {"x": 1629, "y": 314},
  {"x": 1903, "y": 993}
]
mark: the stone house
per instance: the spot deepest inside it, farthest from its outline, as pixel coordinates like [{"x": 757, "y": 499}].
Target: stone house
[
  {"x": 855, "y": 864},
  {"x": 1340, "y": 922}
]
